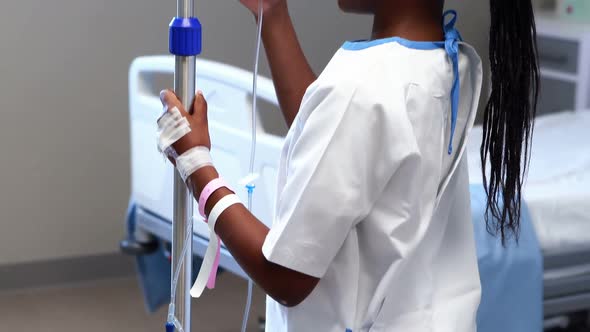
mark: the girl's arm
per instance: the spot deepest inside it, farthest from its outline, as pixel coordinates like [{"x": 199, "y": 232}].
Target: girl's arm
[
  {"x": 243, "y": 235},
  {"x": 290, "y": 70}
]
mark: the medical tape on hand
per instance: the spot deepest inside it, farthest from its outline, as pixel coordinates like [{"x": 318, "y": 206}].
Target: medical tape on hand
[
  {"x": 208, "y": 271},
  {"x": 169, "y": 117},
  {"x": 172, "y": 126},
  {"x": 193, "y": 160}
]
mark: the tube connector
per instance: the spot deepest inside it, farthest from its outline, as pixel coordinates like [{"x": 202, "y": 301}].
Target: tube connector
[
  {"x": 250, "y": 187},
  {"x": 250, "y": 182}
]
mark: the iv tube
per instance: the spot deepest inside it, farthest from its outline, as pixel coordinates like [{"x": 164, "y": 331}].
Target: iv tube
[{"x": 253, "y": 148}]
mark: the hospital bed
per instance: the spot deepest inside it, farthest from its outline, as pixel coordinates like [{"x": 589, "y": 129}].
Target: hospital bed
[{"x": 557, "y": 191}]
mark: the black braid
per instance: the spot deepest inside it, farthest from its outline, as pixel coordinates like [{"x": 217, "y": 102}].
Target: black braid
[{"x": 509, "y": 115}]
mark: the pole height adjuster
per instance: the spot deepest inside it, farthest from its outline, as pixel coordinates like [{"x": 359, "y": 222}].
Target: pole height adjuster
[{"x": 185, "y": 36}]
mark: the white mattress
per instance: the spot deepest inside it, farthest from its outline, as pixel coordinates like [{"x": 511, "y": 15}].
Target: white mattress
[{"x": 557, "y": 190}]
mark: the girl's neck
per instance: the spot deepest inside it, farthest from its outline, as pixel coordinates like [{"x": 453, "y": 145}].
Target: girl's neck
[{"x": 413, "y": 20}]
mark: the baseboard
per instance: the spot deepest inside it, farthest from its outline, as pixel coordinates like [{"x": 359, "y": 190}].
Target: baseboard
[{"x": 64, "y": 271}]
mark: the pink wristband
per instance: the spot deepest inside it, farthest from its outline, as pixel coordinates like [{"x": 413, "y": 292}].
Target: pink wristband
[{"x": 209, "y": 189}]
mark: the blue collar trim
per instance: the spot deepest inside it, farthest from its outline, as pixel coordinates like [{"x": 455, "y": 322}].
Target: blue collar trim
[
  {"x": 451, "y": 46},
  {"x": 417, "y": 45}
]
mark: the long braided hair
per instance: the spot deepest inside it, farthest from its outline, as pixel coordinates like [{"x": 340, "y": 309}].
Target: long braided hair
[{"x": 510, "y": 112}]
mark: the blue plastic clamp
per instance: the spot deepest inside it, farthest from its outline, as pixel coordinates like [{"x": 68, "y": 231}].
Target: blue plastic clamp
[
  {"x": 169, "y": 327},
  {"x": 185, "y": 36}
]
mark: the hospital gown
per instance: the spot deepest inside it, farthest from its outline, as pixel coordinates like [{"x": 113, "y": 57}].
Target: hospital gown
[{"x": 369, "y": 199}]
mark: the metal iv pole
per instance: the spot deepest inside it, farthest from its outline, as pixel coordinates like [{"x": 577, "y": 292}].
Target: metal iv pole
[{"x": 185, "y": 44}]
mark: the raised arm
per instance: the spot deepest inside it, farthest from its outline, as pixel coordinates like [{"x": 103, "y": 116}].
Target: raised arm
[{"x": 290, "y": 70}]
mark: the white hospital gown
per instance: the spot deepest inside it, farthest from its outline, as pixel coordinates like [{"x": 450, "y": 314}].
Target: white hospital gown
[{"x": 370, "y": 201}]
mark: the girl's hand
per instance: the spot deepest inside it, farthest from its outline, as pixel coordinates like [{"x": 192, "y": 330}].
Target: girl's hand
[
  {"x": 197, "y": 118},
  {"x": 267, "y": 5}
]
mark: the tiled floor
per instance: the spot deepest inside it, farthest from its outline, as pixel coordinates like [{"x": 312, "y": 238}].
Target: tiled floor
[{"x": 116, "y": 305}]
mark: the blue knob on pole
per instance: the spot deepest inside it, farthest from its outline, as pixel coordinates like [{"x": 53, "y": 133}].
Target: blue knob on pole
[
  {"x": 169, "y": 327},
  {"x": 185, "y": 37}
]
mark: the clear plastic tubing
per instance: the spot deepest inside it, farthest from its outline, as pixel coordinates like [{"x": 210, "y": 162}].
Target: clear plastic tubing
[{"x": 253, "y": 148}]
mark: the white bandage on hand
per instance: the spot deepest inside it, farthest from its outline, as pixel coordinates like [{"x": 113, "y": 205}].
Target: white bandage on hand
[
  {"x": 193, "y": 160},
  {"x": 172, "y": 126}
]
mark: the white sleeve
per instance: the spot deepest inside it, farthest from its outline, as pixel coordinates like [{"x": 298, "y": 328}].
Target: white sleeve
[{"x": 349, "y": 147}]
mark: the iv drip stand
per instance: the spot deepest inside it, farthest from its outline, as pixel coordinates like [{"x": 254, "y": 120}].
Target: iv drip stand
[{"x": 185, "y": 44}]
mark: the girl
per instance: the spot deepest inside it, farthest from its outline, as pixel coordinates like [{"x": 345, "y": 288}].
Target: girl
[{"x": 372, "y": 230}]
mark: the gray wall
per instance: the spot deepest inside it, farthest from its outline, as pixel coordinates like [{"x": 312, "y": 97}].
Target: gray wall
[{"x": 64, "y": 175}]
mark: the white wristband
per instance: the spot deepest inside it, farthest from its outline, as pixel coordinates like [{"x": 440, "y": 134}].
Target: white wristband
[
  {"x": 193, "y": 160},
  {"x": 172, "y": 126},
  {"x": 220, "y": 207},
  {"x": 213, "y": 247},
  {"x": 206, "y": 266}
]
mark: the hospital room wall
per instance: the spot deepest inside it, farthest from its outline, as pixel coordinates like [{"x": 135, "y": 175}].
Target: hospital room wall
[{"x": 64, "y": 176}]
